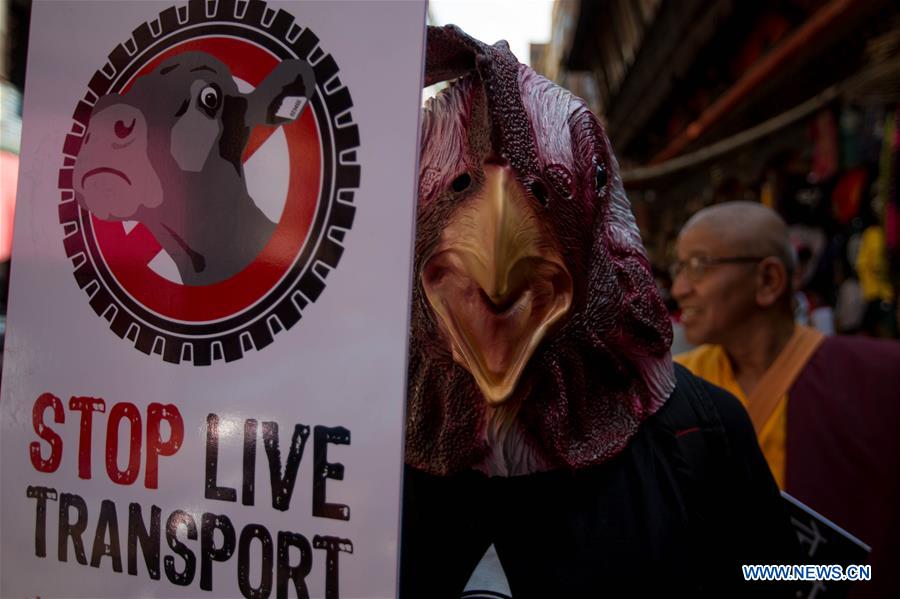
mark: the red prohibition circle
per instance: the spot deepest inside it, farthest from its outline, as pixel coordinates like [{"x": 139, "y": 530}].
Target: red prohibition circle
[{"x": 127, "y": 255}]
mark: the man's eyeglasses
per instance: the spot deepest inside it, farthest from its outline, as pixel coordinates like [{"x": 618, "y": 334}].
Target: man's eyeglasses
[{"x": 695, "y": 266}]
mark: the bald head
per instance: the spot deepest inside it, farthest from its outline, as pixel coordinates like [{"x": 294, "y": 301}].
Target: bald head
[{"x": 747, "y": 229}]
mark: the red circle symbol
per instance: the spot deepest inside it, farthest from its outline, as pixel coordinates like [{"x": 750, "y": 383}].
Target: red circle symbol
[{"x": 128, "y": 254}]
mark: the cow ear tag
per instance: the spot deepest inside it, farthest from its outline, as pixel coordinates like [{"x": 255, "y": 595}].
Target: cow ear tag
[
  {"x": 282, "y": 95},
  {"x": 291, "y": 107}
]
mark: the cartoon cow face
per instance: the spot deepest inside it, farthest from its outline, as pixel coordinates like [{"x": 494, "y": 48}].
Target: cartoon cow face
[{"x": 168, "y": 154}]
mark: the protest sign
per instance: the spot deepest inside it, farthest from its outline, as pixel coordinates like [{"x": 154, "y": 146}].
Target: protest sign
[
  {"x": 824, "y": 542},
  {"x": 206, "y": 351}
]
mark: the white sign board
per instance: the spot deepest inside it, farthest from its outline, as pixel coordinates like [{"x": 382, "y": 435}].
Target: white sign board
[{"x": 205, "y": 361}]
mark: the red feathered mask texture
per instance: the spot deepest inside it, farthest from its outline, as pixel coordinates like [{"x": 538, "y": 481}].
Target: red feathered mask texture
[{"x": 607, "y": 366}]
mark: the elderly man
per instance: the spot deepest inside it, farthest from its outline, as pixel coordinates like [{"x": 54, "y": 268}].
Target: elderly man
[{"x": 825, "y": 409}]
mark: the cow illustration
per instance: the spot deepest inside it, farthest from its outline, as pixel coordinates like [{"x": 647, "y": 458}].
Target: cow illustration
[{"x": 168, "y": 154}]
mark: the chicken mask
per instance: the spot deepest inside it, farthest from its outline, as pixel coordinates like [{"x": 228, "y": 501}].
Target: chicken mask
[{"x": 539, "y": 339}]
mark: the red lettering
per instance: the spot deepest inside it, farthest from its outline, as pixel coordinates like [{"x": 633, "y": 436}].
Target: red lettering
[
  {"x": 87, "y": 406},
  {"x": 156, "y": 413},
  {"x": 116, "y": 414},
  {"x": 47, "y": 400}
]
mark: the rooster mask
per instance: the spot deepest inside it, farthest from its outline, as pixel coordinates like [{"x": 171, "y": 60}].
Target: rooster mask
[{"x": 539, "y": 340}]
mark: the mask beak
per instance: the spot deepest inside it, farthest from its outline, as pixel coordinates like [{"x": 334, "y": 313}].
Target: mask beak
[{"x": 497, "y": 282}]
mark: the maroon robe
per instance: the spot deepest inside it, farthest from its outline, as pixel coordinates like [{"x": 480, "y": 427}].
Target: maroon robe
[{"x": 843, "y": 447}]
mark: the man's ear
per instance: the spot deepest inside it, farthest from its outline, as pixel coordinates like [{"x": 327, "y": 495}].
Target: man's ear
[
  {"x": 283, "y": 94},
  {"x": 771, "y": 281}
]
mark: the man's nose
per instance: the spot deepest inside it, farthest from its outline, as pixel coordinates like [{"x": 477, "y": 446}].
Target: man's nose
[{"x": 681, "y": 287}]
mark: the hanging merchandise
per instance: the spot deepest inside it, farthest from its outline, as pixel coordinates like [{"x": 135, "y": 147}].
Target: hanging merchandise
[
  {"x": 887, "y": 172},
  {"x": 768, "y": 190},
  {"x": 849, "y": 307},
  {"x": 892, "y": 206},
  {"x": 851, "y": 124},
  {"x": 871, "y": 264},
  {"x": 847, "y": 195},
  {"x": 809, "y": 245},
  {"x": 886, "y": 200},
  {"x": 872, "y": 133},
  {"x": 823, "y": 132}
]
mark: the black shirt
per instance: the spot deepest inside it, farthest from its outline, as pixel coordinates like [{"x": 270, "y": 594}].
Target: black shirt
[{"x": 677, "y": 513}]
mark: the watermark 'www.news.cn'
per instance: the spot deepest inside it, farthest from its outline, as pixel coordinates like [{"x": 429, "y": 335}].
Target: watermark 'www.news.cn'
[{"x": 807, "y": 572}]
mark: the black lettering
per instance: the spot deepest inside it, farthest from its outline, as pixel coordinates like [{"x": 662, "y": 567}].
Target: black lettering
[
  {"x": 248, "y": 490},
  {"x": 332, "y": 546},
  {"x": 71, "y": 529},
  {"x": 149, "y": 541},
  {"x": 212, "y": 463},
  {"x": 176, "y": 520},
  {"x": 323, "y": 470},
  {"x": 107, "y": 525},
  {"x": 283, "y": 487},
  {"x": 42, "y": 494},
  {"x": 259, "y": 532},
  {"x": 286, "y": 571},
  {"x": 208, "y": 550}
]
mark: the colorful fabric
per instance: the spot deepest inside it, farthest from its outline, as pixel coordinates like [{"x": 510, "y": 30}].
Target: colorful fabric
[
  {"x": 872, "y": 266},
  {"x": 848, "y": 194},
  {"x": 887, "y": 173},
  {"x": 825, "y": 158}
]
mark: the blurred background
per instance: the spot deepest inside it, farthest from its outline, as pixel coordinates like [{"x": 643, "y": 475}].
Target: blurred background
[
  {"x": 14, "y": 16},
  {"x": 792, "y": 103}
]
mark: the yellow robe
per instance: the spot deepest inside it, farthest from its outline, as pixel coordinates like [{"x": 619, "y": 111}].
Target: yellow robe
[{"x": 711, "y": 363}]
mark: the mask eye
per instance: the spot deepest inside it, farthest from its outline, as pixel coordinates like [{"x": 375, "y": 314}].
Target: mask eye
[
  {"x": 600, "y": 177},
  {"x": 461, "y": 183},
  {"x": 209, "y": 99},
  {"x": 539, "y": 191}
]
